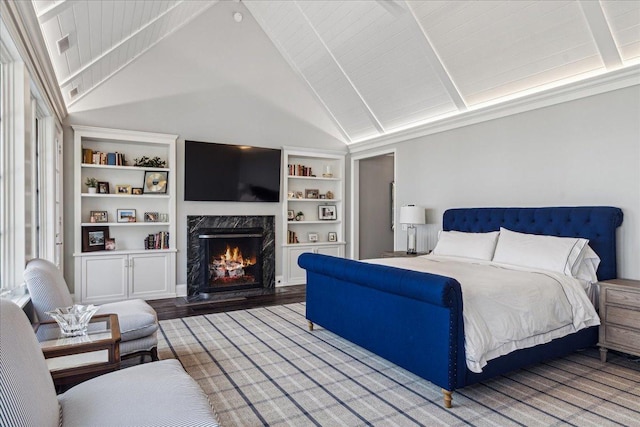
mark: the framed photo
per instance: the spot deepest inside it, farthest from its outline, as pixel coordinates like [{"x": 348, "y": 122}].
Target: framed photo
[
  {"x": 103, "y": 187},
  {"x": 333, "y": 236},
  {"x": 311, "y": 194},
  {"x": 290, "y": 215},
  {"x": 99, "y": 216},
  {"x": 123, "y": 189},
  {"x": 151, "y": 217},
  {"x": 136, "y": 190},
  {"x": 110, "y": 245},
  {"x": 155, "y": 182},
  {"x": 327, "y": 212},
  {"x": 94, "y": 238},
  {"x": 126, "y": 215},
  {"x": 313, "y": 237}
]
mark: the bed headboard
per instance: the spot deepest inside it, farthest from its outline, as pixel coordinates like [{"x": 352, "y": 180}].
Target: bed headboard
[{"x": 596, "y": 223}]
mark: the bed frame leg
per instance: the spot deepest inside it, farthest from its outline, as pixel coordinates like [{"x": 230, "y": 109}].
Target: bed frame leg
[
  {"x": 447, "y": 398},
  {"x": 310, "y": 325}
]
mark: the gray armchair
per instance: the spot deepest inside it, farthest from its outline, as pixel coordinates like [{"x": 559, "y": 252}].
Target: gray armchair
[
  {"x": 138, "y": 320},
  {"x": 153, "y": 394}
]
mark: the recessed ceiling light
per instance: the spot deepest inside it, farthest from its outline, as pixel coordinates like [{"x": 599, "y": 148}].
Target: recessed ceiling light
[
  {"x": 237, "y": 16},
  {"x": 63, "y": 44}
]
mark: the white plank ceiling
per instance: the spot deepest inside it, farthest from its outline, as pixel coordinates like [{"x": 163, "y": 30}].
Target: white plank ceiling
[{"x": 377, "y": 66}]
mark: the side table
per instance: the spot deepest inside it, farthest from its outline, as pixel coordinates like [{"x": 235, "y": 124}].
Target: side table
[
  {"x": 72, "y": 360},
  {"x": 619, "y": 317},
  {"x": 401, "y": 254}
]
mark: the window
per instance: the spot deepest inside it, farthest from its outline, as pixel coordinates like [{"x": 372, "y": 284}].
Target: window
[{"x": 28, "y": 157}]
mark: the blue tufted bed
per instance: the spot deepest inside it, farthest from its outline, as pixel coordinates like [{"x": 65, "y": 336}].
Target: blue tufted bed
[{"x": 415, "y": 319}]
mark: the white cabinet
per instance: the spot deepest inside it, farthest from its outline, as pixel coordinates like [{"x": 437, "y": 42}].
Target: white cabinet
[
  {"x": 313, "y": 212},
  {"x": 107, "y": 278},
  {"x": 297, "y": 275},
  {"x": 131, "y": 204}
]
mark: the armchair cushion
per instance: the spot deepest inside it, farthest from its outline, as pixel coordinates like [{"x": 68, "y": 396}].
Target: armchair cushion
[
  {"x": 137, "y": 318},
  {"x": 47, "y": 287},
  {"x": 153, "y": 394}
]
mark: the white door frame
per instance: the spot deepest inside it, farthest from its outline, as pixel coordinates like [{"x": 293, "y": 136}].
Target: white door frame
[{"x": 354, "y": 232}]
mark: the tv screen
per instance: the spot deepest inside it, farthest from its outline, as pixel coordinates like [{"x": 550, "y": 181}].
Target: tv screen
[{"x": 231, "y": 173}]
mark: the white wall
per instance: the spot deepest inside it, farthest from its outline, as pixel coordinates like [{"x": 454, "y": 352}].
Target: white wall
[
  {"x": 212, "y": 81},
  {"x": 583, "y": 152}
]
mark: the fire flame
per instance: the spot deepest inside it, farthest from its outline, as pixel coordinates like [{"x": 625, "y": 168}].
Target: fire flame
[{"x": 233, "y": 259}]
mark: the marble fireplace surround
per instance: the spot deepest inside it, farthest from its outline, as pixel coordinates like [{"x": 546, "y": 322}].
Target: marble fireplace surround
[{"x": 200, "y": 222}]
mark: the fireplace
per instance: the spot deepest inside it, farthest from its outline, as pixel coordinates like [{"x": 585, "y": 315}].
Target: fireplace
[
  {"x": 229, "y": 255},
  {"x": 230, "y": 259}
]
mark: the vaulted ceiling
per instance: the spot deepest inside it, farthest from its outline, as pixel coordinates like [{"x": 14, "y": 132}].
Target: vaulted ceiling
[{"x": 377, "y": 66}]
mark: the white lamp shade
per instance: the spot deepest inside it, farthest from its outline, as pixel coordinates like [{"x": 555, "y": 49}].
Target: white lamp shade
[{"x": 412, "y": 215}]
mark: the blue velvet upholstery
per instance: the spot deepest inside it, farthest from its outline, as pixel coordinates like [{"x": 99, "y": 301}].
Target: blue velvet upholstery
[
  {"x": 596, "y": 223},
  {"x": 415, "y": 319}
]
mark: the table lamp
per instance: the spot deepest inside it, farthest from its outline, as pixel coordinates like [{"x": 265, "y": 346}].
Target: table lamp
[{"x": 411, "y": 215}]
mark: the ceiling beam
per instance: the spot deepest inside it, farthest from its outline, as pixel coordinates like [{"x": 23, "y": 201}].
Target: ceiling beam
[
  {"x": 601, "y": 32},
  {"x": 439, "y": 68},
  {"x": 55, "y": 10},
  {"x": 368, "y": 110}
]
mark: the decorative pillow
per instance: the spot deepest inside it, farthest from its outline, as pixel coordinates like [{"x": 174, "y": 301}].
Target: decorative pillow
[
  {"x": 468, "y": 245},
  {"x": 560, "y": 254}
]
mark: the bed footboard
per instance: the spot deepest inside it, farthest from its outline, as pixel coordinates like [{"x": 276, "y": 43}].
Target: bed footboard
[{"x": 410, "y": 318}]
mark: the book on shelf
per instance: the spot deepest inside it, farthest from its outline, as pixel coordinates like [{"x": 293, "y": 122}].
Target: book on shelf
[
  {"x": 99, "y": 158},
  {"x": 292, "y": 237},
  {"x": 158, "y": 240},
  {"x": 300, "y": 170}
]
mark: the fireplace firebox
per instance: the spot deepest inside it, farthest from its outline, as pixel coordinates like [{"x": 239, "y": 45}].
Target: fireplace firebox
[
  {"x": 230, "y": 259},
  {"x": 229, "y": 256}
]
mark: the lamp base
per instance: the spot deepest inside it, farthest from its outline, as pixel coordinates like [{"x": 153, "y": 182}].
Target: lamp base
[{"x": 411, "y": 240}]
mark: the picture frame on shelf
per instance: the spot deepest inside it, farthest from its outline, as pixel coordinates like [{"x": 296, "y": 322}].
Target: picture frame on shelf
[
  {"x": 98, "y": 216},
  {"x": 311, "y": 193},
  {"x": 123, "y": 189},
  {"x": 103, "y": 187},
  {"x": 151, "y": 217},
  {"x": 291, "y": 215},
  {"x": 333, "y": 236},
  {"x": 94, "y": 238},
  {"x": 155, "y": 182},
  {"x": 136, "y": 190},
  {"x": 110, "y": 244},
  {"x": 313, "y": 237},
  {"x": 126, "y": 215},
  {"x": 327, "y": 212}
]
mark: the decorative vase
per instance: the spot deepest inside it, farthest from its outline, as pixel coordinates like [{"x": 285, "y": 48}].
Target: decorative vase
[
  {"x": 92, "y": 190},
  {"x": 299, "y": 217}
]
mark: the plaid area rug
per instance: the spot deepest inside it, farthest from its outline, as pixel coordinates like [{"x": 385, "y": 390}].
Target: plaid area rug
[{"x": 263, "y": 367}]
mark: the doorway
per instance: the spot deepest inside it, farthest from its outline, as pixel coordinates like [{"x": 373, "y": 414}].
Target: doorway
[{"x": 374, "y": 216}]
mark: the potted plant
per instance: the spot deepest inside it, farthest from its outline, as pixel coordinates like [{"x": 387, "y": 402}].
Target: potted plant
[
  {"x": 92, "y": 185},
  {"x": 300, "y": 216}
]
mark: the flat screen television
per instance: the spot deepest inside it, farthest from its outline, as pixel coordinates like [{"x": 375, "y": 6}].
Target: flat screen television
[{"x": 231, "y": 173}]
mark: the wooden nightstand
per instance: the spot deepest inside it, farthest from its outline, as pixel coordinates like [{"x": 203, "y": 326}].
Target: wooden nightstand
[
  {"x": 400, "y": 254},
  {"x": 619, "y": 317}
]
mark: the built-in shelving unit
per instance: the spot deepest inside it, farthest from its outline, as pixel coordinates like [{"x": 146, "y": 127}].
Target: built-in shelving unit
[
  {"x": 313, "y": 186},
  {"x": 130, "y": 270}
]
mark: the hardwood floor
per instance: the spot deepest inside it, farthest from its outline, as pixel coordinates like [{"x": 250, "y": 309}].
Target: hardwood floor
[{"x": 172, "y": 308}]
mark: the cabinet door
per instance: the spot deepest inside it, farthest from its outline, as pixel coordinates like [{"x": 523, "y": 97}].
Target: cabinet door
[
  {"x": 295, "y": 274},
  {"x": 104, "y": 278},
  {"x": 330, "y": 250},
  {"x": 149, "y": 275}
]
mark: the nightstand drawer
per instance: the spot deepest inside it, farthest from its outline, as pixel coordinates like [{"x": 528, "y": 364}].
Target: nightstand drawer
[
  {"x": 622, "y": 316},
  {"x": 622, "y": 297},
  {"x": 622, "y": 337}
]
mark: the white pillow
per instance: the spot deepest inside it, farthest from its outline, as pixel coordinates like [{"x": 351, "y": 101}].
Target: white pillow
[
  {"x": 560, "y": 254},
  {"x": 468, "y": 245},
  {"x": 587, "y": 266}
]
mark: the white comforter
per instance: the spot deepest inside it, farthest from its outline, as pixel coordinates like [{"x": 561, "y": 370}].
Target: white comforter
[{"x": 506, "y": 308}]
